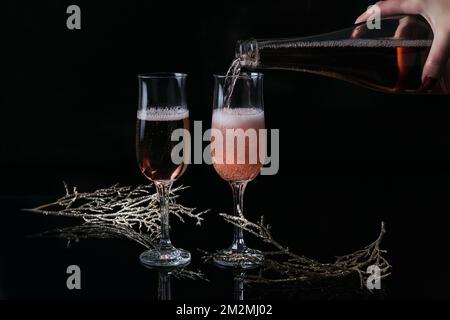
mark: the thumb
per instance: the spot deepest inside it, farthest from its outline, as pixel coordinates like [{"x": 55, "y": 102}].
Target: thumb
[{"x": 437, "y": 59}]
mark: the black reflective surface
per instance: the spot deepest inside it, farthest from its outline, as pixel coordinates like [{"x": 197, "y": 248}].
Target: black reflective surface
[
  {"x": 349, "y": 157},
  {"x": 33, "y": 266}
]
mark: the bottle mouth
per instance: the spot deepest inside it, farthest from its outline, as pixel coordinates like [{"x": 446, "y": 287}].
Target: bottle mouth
[{"x": 247, "y": 52}]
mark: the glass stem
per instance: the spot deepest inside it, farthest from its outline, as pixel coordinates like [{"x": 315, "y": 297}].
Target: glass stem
[
  {"x": 163, "y": 188},
  {"x": 238, "y": 188}
]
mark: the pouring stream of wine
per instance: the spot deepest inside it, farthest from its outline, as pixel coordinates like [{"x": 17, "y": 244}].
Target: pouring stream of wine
[{"x": 230, "y": 81}]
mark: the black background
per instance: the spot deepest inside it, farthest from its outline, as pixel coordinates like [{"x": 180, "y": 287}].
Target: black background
[{"x": 350, "y": 157}]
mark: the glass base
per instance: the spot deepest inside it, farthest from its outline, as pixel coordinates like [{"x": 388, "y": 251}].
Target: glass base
[
  {"x": 157, "y": 258},
  {"x": 244, "y": 259}
]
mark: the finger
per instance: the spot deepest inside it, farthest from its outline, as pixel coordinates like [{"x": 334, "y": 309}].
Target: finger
[
  {"x": 405, "y": 59},
  {"x": 358, "y": 31},
  {"x": 392, "y": 7},
  {"x": 437, "y": 59},
  {"x": 405, "y": 28}
]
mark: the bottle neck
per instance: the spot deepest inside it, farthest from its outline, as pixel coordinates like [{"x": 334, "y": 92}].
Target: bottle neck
[{"x": 248, "y": 53}]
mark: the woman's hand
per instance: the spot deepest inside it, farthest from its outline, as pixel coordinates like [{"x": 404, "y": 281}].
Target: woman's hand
[{"x": 437, "y": 13}]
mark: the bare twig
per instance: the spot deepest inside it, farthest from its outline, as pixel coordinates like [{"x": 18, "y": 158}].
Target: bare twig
[
  {"x": 286, "y": 266},
  {"x": 126, "y": 211},
  {"x": 119, "y": 205},
  {"x": 118, "y": 211}
]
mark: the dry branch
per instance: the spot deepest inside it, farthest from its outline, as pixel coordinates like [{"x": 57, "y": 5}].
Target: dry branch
[
  {"x": 286, "y": 266},
  {"x": 117, "y": 212},
  {"x": 119, "y": 205}
]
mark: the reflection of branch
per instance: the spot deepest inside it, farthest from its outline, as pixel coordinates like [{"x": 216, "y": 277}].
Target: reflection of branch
[
  {"x": 118, "y": 212},
  {"x": 119, "y": 205},
  {"x": 290, "y": 267},
  {"x": 100, "y": 230}
]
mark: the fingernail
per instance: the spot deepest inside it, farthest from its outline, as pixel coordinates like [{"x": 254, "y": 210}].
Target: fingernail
[
  {"x": 429, "y": 83},
  {"x": 360, "y": 19}
]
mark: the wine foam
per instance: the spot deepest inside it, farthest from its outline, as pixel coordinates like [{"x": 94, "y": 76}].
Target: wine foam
[
  {"x": 163, "y": 114},
  {"x": 237, "y": 117}
]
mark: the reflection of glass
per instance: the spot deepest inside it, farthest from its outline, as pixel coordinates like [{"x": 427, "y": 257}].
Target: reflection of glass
[
  {"x": 162, "y": 109},
  {"x": 238, "y": 284},
  {"x": 164, "y": 281},
  {"x": 237, "y": 158},
  {"x": 164, "y": 287},
  {"x": 238, "y": 281}
]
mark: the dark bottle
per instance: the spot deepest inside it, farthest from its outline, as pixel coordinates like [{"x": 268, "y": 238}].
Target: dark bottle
[{"x": 389, "y": 59}]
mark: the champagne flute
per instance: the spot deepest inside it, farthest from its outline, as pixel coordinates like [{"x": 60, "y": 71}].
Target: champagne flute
[
  {"x": 162, "y": 110},
  {"x": 236, "y": 151}
]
